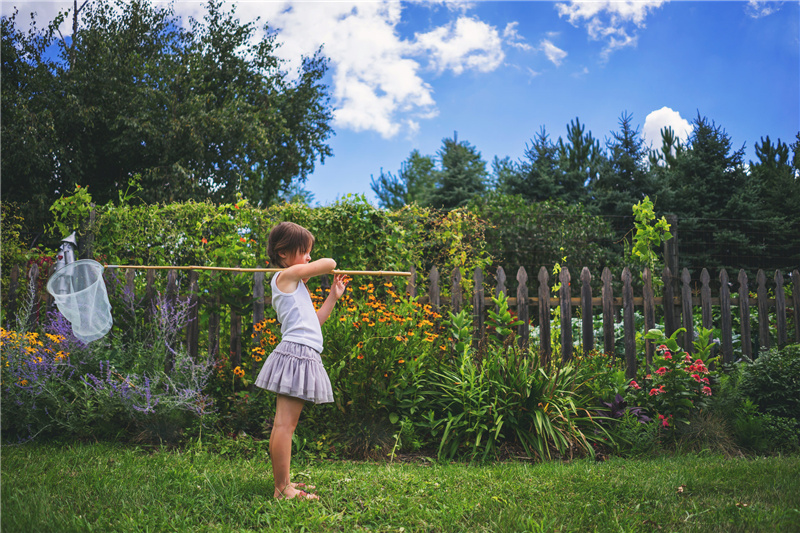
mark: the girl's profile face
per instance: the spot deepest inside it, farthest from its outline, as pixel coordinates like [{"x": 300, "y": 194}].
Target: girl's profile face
[{"x": 297, "y": 257}]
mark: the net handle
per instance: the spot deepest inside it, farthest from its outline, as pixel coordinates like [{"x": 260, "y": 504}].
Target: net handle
[{"x": 238, "y": 269}]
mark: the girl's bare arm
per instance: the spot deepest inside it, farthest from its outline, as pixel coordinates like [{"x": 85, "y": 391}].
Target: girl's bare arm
[{"x": 288, "y": 279}]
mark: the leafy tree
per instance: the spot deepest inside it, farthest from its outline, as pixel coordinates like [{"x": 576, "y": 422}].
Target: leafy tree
[
  {"x": 199, "y": 112},
  {"x": 414, "y": 182},
  {"x": 462, "y": 175}
]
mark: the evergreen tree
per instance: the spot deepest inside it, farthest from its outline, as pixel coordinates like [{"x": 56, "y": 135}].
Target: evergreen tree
[
  {"x": 625, "y": 182},
  {"x": 462, "y": 175},
  {"x": 414, "y": 182},
  {"x": 581, "y": 159},
  {"x": 535, "y": 179},
  {"x": 706, "y": 185}
]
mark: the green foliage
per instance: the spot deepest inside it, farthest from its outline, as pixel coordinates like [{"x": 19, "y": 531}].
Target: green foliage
[
  {"x": 230, "y": 120},
  {"x": 537, "y": 234},
  {"x": 772, "y": 381},
  {"x": 649, "y": 234},
  {"x": 677, "y": 384},
  {"x": 69, "y": 212}
]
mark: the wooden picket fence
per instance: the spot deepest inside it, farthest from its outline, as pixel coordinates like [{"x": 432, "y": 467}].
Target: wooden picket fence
[{"x": 675, "y": 307}]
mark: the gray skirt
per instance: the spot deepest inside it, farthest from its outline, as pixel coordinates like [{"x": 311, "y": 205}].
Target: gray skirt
[{"x": 296, "y": 370}]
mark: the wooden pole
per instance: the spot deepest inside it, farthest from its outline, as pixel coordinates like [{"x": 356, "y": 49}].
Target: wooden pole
[{"x": 238, "y": 269}]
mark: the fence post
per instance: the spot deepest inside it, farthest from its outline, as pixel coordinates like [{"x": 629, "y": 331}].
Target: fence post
[
  {"x": 478, "y": 304},
  {"x": 796, "y": 303},
  {"x": 586, "y": 311},
  {"x": 433, "y": 289},
  {"x": 705, "y": 299},
  {"x": 86, "y": 244},
  {"x": 669, "y": 302},
  {"x": 12, "y": 292},
  {"x": 193, "y": 327},
  {"x": 744, "y": 315},
  {"x": 258, "y": 310},
  {"x": 763, "y": 310},
  {"x": 501, "y": 284},
  {"x": 523, "y": 330},
  {"x": 566, "y": 315},
  {"x": 544, "y": 318},
  {"x": 649, "y": 303},
  {"x": 171, "y": 302},
  {"x": 780, "y": 307},
  {"x": 411, "y": 288},
  {"x": 33, "y": 312},
  {"x": 629, "y": 324},
  {"x": 214, "y": 327},
  {"x": 686, "y": 307},
  {"x": 149, "y": 294},
  {"x": 671, "y": 253},
  {"x": 608, "y": 314},
  {"x": 726, "y": 326},
  {"x": 455, "y": 291}
]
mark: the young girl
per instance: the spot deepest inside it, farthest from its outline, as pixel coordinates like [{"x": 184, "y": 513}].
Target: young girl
[{"x": 294, "y": 369}]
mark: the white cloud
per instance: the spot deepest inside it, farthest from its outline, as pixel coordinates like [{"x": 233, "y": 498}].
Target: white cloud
[
  {"x": 613, "y": 21},
  {"x": 762, "y": 8},
  {"x": 378, "y": 78},
  {"x": 465, "y": 44},
  {"x": 555, "y": 54},
  {"x": 663, "y": 118},
  {"x": 513, "y": 38}
]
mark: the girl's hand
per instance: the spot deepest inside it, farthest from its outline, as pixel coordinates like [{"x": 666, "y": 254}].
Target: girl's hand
[{"x": 340, "y": 282}]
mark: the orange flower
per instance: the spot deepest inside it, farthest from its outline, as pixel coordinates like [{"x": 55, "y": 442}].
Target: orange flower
[
  {"x": 360, "y": 356},
  {"x": 242, "y": 239},
  {"x": 204, "y": 240},
  {"x": 401, "y": 361}
]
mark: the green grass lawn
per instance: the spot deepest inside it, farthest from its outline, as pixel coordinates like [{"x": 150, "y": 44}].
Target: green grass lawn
[{"x": 103, "y": 487}]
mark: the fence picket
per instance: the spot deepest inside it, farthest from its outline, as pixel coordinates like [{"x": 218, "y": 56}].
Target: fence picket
[
  {"x": 780, "y": 308},
  {"x": 544, "y": 317},
  {"x": 565, "y": 306},
  {"x": 433, "y": 289},
  {"x": 629, "y": 325},
  {"x": 501, "y": 284},
  {"x": 744, "y": 315},
  {"x": 763, "y": 309},
  {"x": 455, "y": 291},
  {"x": 193, "y": 327},
  {"x": 586, "y": 311},
  {"x": 608, "y": 313},
  {"x": 686, "y": 310},
  {"x": 478, "y": 304},
  {"x": 726, "y": 326},
  {"x": 705, "y": 299},
  {"x": 523, "y": 330},
  {"x": 668, "y": 302},
  {"x": 649, "y": 312}
]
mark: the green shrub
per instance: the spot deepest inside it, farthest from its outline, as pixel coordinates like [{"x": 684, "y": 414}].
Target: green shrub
[{"x": 772, "y": 381}]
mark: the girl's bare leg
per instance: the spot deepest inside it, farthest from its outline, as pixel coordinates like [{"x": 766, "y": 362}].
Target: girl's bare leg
[{"x": 287, "y": 413}]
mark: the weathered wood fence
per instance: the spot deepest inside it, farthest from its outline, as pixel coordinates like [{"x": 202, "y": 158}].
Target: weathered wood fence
[{"x": 675, "y": 307}]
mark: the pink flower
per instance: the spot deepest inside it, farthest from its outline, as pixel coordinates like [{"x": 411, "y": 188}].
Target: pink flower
[
  {"x": 664, "y": 420},
  {"x": 656, "y": 392},
  {"x": 661, "y": 371},
  {"x": 707, "y": 391},
  {"x": 697, "y": 378},
  {"x": 635, "y": 385},
  {"x": 662, "y": 347},
  {"x": 705, "y": 380},
  {"x": 688, "y": 358},
  {"x": 667, "y": 356}
]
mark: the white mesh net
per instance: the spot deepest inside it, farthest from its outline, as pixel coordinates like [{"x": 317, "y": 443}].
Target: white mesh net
[{"x": 80, "y": 294}]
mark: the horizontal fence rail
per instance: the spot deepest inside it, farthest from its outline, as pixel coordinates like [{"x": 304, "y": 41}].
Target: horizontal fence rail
[{"x": 532, "y": 302}]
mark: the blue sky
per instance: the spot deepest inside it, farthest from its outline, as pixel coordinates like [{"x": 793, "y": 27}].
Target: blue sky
[{"x": 403, "y": 76}]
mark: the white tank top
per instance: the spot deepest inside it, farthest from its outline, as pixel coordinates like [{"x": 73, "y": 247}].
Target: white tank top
[{"x": 299, "y": 322}]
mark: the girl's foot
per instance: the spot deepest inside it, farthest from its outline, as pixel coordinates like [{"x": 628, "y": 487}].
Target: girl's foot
[
  {"x": 291, "y": 493},
  {"x": 303, "y": 486}
]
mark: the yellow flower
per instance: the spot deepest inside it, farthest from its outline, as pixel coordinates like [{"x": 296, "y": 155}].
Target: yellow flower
[
  {"x": 238, "y": 372},
  {"x": 401, "y": 361}
]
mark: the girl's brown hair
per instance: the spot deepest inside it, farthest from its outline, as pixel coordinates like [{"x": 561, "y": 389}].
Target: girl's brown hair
[{"x": 288, "y": 238}]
